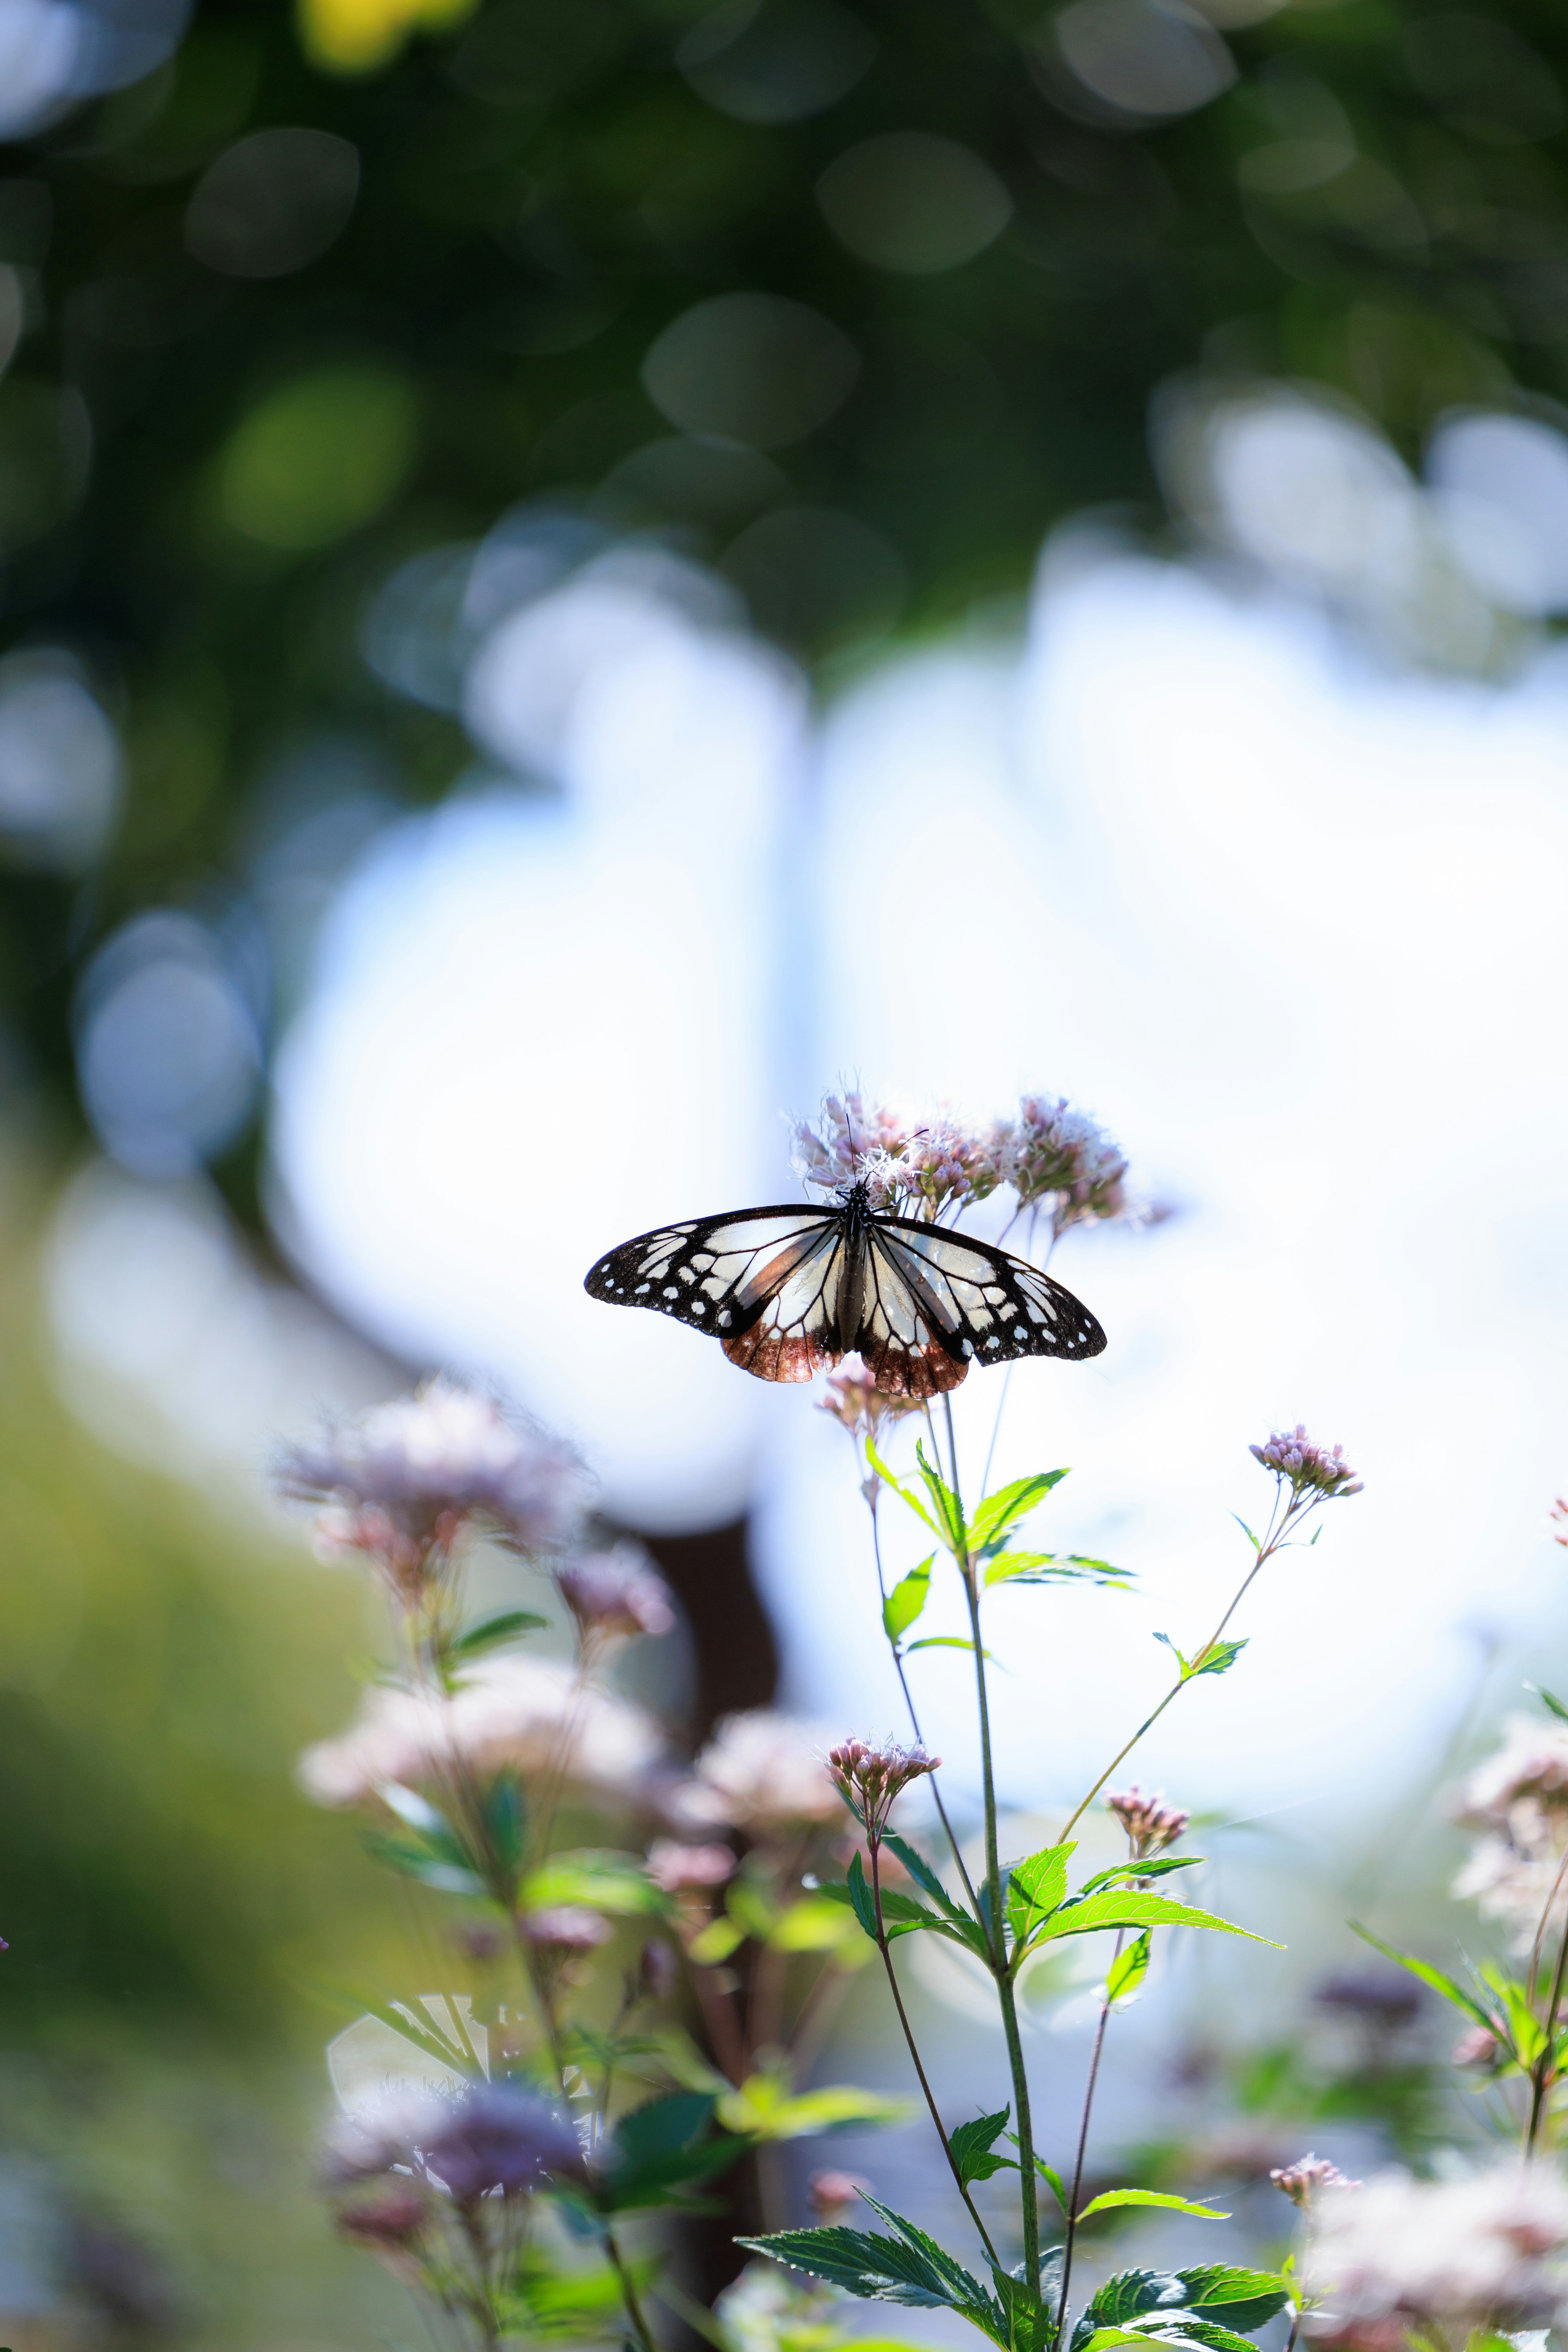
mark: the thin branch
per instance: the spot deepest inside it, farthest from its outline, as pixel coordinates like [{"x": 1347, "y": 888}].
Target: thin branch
[{"x": 1082, "y": 2145}]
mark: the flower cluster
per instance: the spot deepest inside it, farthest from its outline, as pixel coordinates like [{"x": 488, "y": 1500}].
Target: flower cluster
[
  {"x": 1308, "y": 1469},
  {"x": 1151, "y": 1824},
  {"x": 681, "y": 1869},
  {"x": 870, "y": 1774},
  {"x": 402, "y": 1480},
  {"x": 1518, "y": 1798},
  {"x": 491, "y": 2141},
  {"x": 762, "y": 1773},
  {"x": 616, "y": 1592},
  {"x": 1052, "y": 1156},
  {"x": 854, "y": 1401},
  {"x": 507, "y": 1714},
  {"x": 1300, "y": 2181},
  {"x": 1057, "y": 1154},
  {"x": 1483, "y": 2251}
]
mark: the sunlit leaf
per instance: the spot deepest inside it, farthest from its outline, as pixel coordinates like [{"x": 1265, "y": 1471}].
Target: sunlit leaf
[
  {"x": 1110, "y": 2199},
  {"x": 906, "y": 1600}
]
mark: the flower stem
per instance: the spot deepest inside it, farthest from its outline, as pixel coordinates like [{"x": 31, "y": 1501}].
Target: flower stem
[
  {"x": 635, "y": 2312},
  {"x": 1006, "y": 1992},
  {"x": 873, "y": 1848},
  {"x": 1082, "y": 2144},
  {"x": 1544, "y": 2072},
  {"x": 909, "y": 1704}
]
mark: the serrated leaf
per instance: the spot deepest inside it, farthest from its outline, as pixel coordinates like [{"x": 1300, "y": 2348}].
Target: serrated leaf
[
  {"x": 907, "y": 2268},
  {"x": 1243, "y": 2298},
  {"x": 505, "y": 1627},
  {"x": 906, "y": 1600},
  {"x": 1216, "y": 1659},
  {"x": 971, "y": 2146},
  {"x": 1139, "y": 1911},
  {"x": 1158, "y": 1866},
  {"x": 1056, "y": 1568},
  {"x": 998, "y": 1512},
  {"x": 1128, "y": 1972},
  {"x": 1110, "y": 2199},
  {"x": 923, "y": 1873},
  {"x": 1036, "y": 1888}
]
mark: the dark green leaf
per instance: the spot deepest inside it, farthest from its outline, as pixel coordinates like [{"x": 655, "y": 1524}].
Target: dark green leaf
[
  {"x": 906, "y": 1600},
  {"x": 666, "y": 2145},
  {"x": 908, "y": 2268},
  {"x": 1126, "y": 2297},
  {"x": 972, "y": 2146},
  {"x": 860, "y": 1896},
  {"x": 505, "y": 1822},
  {"x": 923, "y": 1873},
  {"x": 416, "y": 1862},
  {"x": 1245, "y": 2299},
  {"x": 506, "y": 1627}
]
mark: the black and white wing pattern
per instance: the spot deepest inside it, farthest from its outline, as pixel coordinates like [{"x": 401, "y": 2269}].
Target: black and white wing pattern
[
  {"x": 936, "y": 1302},
  {"x": 763, "y": 1281}
]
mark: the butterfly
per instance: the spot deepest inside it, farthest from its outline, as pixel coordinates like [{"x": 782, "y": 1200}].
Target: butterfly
[{"x": 788, "y": 1290}]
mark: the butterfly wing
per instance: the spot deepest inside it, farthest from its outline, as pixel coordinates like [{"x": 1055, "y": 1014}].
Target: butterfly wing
[
  {"x": 937, "y": 1301},
  {"x": 763, "y": 1281}
]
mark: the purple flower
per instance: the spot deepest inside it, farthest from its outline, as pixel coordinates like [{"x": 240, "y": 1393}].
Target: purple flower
[
  {"x": 499, "y": 2137},
  {"x": 1308, "y": 1468},
  {"x": 869, "y": 1773},
  {"x": 1151, "y": 1824},
  {"x": 406, "y": 1478},
  {"x": 617, "y": 1592},
  {"x": 1060, "y": 1155},
  {"x": 1302, "y": 2180}
]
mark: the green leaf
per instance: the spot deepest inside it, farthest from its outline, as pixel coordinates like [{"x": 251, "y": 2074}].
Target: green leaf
[
  {"x": 906, "y": 1600},
  {"x": 861, "y": 1897},
  {"x": 506, "y": 1822},
  {"x": 425, "y": 2035},
  {"x": 1436, "y": 1979},
  {"x": 814, "y": 1924},
  {"x": 416, "y": 1862},
  {"x": 1056, "y": 1568},
  {"x": 1554, "y": 1705},
  {"x": 948, "y": 1641},
  {"x": 1247, "y": 2299},
  {"x": 1054, "y": 2182},
  {"x": 600, "y": 1879},
  {"x": 1216, "y": 1658},
  {"x": 1127, "y": 1974},
  {"x": 998, "y": 1512},
  {"x": 1138, "y": 1911},
  {"x": 1036, "y": 1888},
  {"x": 664, "y": 2145},
  {"x": 949, "y": 1511},
  {"x": 763, "y": 2108},
  {"x": 715, "y": 1943},
  {"x": 1125, "y": 2296},
  {"x": 506, "y": 1627},
  {"x": 1159, "y": 1866},
  {"x": 1110, "y": 2199},
  {"x": 972, "y": 2146},
  {"x": 908, "y": 2269},
  {"x": 906, "y": 1493},
  {"x": 923, "y": 1873}
]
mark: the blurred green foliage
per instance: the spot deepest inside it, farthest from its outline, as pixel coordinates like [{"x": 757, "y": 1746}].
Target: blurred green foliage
[{"x": 509, "y": 257}]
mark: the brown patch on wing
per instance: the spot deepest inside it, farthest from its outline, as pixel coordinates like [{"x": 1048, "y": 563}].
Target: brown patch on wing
[
  {"x": 775, "y": 1355},
  {"x": 925, "y": 1371}
]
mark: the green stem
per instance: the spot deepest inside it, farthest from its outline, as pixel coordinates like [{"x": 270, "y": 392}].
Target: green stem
[
  {"x": 1076, "y": 2188},
  {"x": 909, "y": 1704},
  {"x": 872, "y": 1847},
  {"x": 635, "y": 2312},
  {"x": 1545, "y": 2068},
  {"x": 1005, "y": 1993}
]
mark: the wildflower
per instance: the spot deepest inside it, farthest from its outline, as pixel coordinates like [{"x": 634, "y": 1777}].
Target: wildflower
[
  {"x": 385, "y": 2132},
  {"x": 403, "y": 1480},
  {"x": 1520, "y": 1798},
  {"x": 943, "y": 1162},
  {"x": 497, "y": 2137},
  {"x": 1307, "y": 1468},
  {"x": 393, "y": 2222},
  {"x": 681, "y": 1869},
  {"x": 1302, "y": 2180},
  {"x": 761, "y": 1772},
  {"x": 833, "y": 2195},
  {"x": 1060, "y": 1155},
  {"x": 870, "y": 1774},
  {"x": 616, "y": 1592},
  {"x": 1151, "y": 1824},
  {"x": 1484, "y": 2250},
  {"x": 849, "y": 1135},
  {"x": 520, "y": 1713},
  {"x": 566, "y": 1930},
  {"x": 856, "y": 1401}
]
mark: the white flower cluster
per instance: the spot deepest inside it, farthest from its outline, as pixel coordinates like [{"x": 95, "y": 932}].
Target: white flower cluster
[
  {"x": 1484, "y": 2250},
  {"x": 1518, "y": 1798},
  {"x": 1054, "y": 1157},
  {"x": 406, "y": 1477},
  {"x": 525, "y": 1715},
  {"x": 762, "y": 1772}
]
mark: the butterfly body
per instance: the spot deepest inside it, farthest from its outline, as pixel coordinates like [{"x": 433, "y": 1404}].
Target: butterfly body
[{"x": 788, "y": 1289}]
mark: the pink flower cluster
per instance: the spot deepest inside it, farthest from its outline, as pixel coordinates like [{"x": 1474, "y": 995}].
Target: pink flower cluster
[
  {"x": 871, "y": 1773},
  {"x": 1054, "y": 1157},
  {"x": 1151, "y": 1824},
  {"x": 1291, "y": 1455}
]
